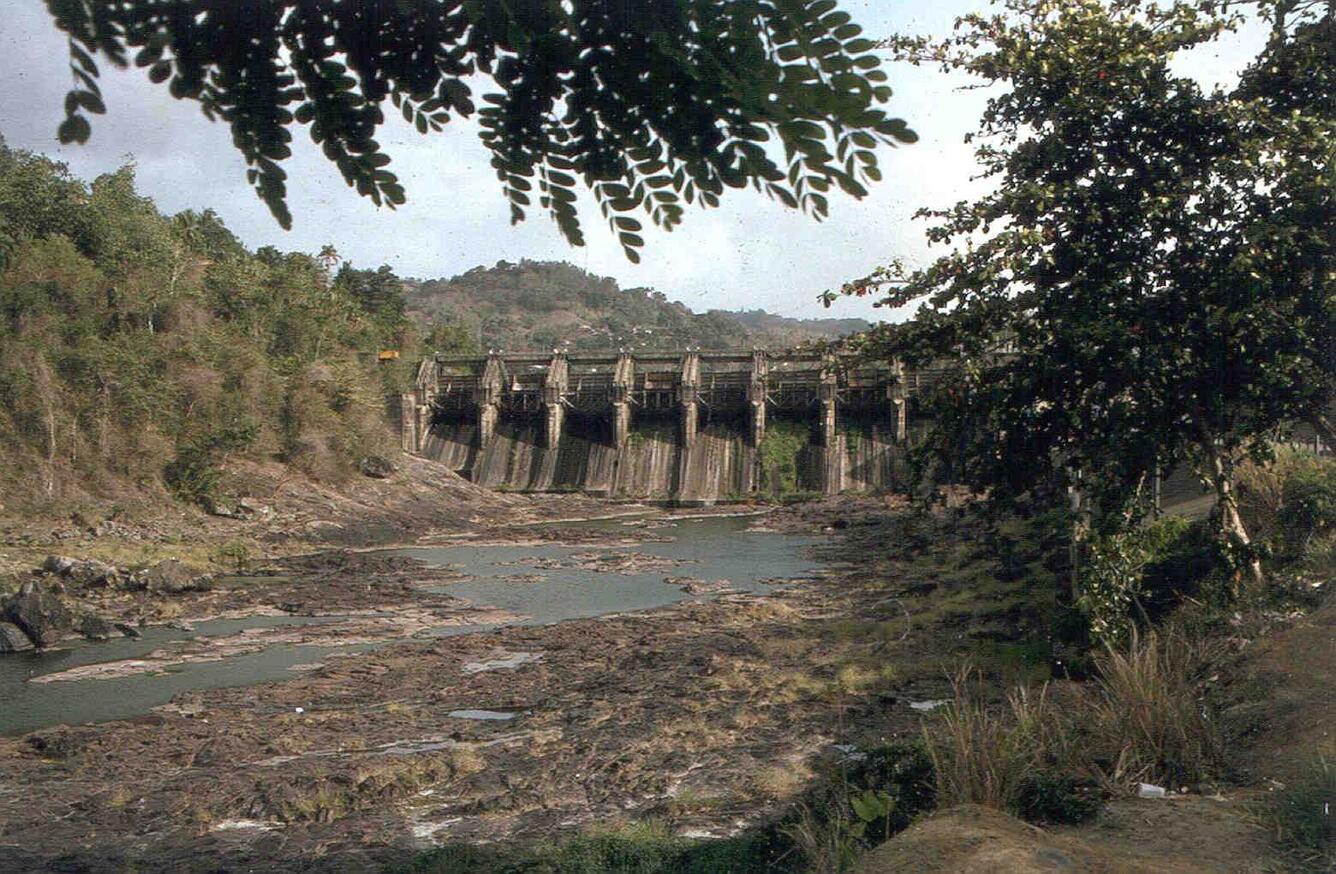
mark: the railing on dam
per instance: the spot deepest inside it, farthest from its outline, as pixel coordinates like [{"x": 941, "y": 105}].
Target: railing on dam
[{"x": 621, "y": 386}]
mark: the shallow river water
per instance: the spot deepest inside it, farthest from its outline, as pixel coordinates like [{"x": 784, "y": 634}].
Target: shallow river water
[{"x": 538, "y": 583}]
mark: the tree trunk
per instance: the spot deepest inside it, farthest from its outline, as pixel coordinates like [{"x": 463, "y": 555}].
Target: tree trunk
[
  {"x": 1326, "y": 431},
  {"x": 1232, "y": 530}
]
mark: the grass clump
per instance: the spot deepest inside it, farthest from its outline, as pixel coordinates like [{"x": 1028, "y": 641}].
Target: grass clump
[
  {"x": 1139, "y": 719},
  {"x": 1304, "y": 814},
  {"x": 988, "y": 755},
  {"x": 1147, "y": 714}
]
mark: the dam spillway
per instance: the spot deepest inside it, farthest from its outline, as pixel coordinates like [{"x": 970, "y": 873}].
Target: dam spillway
[{"x": 690, "y": 427}]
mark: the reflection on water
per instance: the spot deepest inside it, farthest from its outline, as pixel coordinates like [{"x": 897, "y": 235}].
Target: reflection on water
[{"x": 537, "y": 582}]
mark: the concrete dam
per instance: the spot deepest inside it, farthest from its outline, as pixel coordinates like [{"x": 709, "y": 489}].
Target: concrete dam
[{"x": 690, "y": 427}]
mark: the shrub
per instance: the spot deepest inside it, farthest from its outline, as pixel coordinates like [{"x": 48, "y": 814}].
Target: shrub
[
  {"x": 627, "y": 848},
  {"x": 1151, "y": 568},
  {"x": 866, "y": 802},
  {"x": 1289, "y": 501},
  {"x": 193, "y": 475},
  {"x": 1304, "y": 813}
]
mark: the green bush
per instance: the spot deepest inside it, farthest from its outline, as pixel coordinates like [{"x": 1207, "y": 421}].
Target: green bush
[
  {"x": 1309, "y": 506},
  {"x": 193, "y": 475},
  {"x": 635, "y": 848}
]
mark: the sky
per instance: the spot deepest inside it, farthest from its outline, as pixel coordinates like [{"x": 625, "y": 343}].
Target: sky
[{"x": 749, "y": 253}]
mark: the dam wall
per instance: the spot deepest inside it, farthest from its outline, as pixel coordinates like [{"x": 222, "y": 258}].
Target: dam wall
[{"x": 689, "y": 428}]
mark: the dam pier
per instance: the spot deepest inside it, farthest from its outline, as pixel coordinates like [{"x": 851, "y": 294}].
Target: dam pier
[{"x": 691, "y": 426}]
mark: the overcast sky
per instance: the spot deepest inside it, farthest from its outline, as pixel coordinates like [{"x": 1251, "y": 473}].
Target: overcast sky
[{"x": 749, "y": 253}]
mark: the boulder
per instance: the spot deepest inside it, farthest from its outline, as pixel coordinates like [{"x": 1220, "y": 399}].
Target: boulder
[
  {"x": 83, "y": 572},
  {"x": 39, "y": 613},
  {"x": 254, "y": 509},
  {"x": 12, "y": 638},
  {"x": 171, "y": 577},
  {"x": 94, "y": 627},
  {"x": 376, "y": 466},
  {"x": 129, "y": 630}
]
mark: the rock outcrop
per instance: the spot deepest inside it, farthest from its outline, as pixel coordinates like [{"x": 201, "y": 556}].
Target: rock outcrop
[
  {"x": 39, "y": 613},
  {"x": 12, "y": 638},
  {"x": 81, "y": 571},
  {"x": 171, "y": 577}
]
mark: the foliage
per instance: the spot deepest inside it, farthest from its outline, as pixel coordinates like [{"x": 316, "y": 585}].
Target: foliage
[
  {"x": 138, "y": 348},
  {"x": 1154, "y": 261},
  {"x": 635, "y": 848},
  {"x": 1150, "y": 567},
  {"x": 868, "y": 800},
  {"x": 651, "y": 105},
  {"x": 542, "y": 305},
  {"x": 193, "y": 475},
  {"x": 1302, "y": 812},
  {"x": 779, "y": 453}
]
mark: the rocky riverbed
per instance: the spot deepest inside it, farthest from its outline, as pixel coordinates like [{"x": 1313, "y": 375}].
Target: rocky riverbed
[{"x": 707, "y": 713}]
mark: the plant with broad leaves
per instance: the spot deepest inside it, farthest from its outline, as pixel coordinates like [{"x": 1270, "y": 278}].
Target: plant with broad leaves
[
  {"x": 652, "y": 105},
  {"x": 1159, "y": 258}
]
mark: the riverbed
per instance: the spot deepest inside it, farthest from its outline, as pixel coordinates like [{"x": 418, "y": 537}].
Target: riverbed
[{"x": 640, "y": 564}]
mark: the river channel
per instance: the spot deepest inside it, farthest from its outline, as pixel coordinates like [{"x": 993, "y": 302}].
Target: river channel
[{"x": 539, "y": 584}]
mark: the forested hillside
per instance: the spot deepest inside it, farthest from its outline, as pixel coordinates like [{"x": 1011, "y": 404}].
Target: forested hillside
[
  {"x": 137, "y": 350},
  {"x": 544, "y": 304}
]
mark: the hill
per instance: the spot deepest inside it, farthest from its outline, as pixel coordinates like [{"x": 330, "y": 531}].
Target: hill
[{"x": 548, "y": 304}]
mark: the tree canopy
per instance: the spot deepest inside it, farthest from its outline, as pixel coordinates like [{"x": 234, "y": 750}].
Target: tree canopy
[
  {"x": 650, "y": 104},
  {"x": 1158, "y": 257}
]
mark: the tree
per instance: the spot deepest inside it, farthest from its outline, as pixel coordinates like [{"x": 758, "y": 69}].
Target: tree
[
  {"x": 651, "y": 104},
  {"x": 1159, "y": 258}
]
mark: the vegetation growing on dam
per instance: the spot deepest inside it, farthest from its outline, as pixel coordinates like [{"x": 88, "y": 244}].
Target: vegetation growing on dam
[{"x": 781, "y": 454}]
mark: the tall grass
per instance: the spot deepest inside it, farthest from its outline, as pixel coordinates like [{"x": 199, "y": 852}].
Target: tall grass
[
  {"x": 1149, "y": 722},
  {"x": 986, "y": 755},
  {"x": 1140, "y": 719}
]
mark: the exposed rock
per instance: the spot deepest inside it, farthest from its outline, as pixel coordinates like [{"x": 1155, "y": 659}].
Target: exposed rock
[
  {"x": 129, "y": 630},
  {"x": 377, "y": 467},
  {"x": 171, "y": 577},
  {"x": 12, "y": 638},
  {"x": 698, "y": 586},
  {"x": 254, "y": 509},
  {"x": 83, "y": 572},
  {"x": 39, "y": 613},
  {"x": 94, "y": 627}
]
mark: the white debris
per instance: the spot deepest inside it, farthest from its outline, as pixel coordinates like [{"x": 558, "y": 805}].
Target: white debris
[{"x": 926, "y": 706}]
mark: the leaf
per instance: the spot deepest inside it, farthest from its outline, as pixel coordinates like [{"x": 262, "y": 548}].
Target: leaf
[{"x": 74, "y": 129}]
